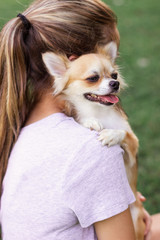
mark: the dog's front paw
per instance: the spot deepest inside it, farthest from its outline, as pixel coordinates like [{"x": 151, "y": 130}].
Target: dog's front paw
[
  {"x": 111, "y": 137},
  {"x": 93, "y": 124}
]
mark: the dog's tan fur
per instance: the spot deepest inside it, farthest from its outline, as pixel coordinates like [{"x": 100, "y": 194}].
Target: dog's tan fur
[{"x": 71, "y": 83}]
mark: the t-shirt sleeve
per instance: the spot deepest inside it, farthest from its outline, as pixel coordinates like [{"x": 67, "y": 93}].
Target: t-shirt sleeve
[{"x": 96, "y": 186}]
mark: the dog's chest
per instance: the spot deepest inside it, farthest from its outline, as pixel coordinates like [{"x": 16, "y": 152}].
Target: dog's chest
[
  {"x": 107, "y": 117},
  {"x": 113, "y": 120}
]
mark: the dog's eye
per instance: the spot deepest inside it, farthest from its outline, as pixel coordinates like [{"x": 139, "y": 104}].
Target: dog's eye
[
  {"x": 114, "y": 76},
  {"x": 93, "y": 78}
]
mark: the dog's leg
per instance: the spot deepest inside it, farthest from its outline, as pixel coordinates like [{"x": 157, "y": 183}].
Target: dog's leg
[
  {"x": 111, "y": 137},
  {"x": 92, "y": 123},
  {"x": 138, "y": 216},
  {"x": 130, "y": 145}
]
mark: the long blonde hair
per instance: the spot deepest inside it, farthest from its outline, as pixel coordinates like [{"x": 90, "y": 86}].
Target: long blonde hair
[{"x": 68, "y": 26}]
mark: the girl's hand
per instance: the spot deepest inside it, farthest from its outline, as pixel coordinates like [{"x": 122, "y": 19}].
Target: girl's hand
[{"x": 147, "y": 218}]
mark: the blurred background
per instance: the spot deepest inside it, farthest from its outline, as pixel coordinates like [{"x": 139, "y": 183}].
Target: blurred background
[{"x": 138, "y": 23}]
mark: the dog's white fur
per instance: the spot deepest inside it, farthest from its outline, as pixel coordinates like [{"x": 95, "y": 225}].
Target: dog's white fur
[{"x": 71, "y": 84}]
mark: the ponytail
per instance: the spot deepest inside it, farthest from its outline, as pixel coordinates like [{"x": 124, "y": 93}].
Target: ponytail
[{"x": 14, "y": 104}]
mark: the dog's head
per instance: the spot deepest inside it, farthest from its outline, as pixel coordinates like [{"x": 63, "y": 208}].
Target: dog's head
[{"x": 92, "y": 77}]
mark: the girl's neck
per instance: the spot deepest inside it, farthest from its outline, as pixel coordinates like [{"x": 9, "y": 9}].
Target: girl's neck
[{"x": 47, "y": 105}]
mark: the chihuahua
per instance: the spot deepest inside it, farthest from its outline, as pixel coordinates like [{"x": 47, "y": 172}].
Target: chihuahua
[{"x": 88, "y": 88}]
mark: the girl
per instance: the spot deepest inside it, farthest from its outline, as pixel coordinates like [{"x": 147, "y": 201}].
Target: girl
[{"x": 59, "y": 182}]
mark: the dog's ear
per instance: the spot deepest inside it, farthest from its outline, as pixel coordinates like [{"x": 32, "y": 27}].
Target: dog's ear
[
  {"x": 56, "y": 66},
  {"x": 109, "y": 50}
]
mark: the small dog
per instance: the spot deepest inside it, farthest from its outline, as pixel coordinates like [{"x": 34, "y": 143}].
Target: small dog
[{"x": 88, "y": 88}]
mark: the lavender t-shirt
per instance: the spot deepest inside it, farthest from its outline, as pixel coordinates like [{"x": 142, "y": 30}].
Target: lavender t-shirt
[{"x": 60, "y": 180}]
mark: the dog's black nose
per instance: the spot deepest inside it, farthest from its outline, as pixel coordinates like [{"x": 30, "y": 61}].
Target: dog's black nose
[{"x": 114, "y": 85}]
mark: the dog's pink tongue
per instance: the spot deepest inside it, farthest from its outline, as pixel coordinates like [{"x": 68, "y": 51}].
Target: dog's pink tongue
[{"x": 110, "y": 98}]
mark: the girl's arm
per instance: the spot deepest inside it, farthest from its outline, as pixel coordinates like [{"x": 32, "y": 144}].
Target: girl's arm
[{"x": 118, "y": 227}]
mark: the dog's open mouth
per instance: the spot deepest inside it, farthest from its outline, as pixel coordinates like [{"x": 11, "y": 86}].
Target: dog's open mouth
[{"x": 103, "y": 99}]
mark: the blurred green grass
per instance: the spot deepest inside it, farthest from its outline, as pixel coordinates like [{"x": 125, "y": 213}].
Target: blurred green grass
[{"x": 138, "y": 23}]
